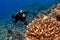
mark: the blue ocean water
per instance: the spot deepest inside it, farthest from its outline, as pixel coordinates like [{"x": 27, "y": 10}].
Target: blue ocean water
[{"x": 8, "y": 6}]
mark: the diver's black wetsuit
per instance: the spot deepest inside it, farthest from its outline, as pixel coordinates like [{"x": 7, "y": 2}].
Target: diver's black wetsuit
[{"x": 19, "y": 16}]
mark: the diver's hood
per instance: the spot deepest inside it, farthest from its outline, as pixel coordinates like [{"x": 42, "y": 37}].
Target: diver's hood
[{"x": 21, "y": 11}]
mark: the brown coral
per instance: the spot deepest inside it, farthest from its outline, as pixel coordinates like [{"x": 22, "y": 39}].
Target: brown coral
[
  {"x": 43, "y": 29},
  {"x": 48, "y": 29}
]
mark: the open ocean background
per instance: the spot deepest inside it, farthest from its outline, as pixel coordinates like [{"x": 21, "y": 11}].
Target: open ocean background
[{"x": 8, "y": 6}]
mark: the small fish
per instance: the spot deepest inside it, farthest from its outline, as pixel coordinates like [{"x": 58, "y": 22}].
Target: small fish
[{"x": 10, "y": 31}]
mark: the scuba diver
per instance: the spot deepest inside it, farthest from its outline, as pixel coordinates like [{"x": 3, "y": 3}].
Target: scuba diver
[{"x": 20, "y": 16}]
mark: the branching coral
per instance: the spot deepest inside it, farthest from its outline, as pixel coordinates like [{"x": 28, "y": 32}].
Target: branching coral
[
  {"x": 40, "y": 29},
  {"x": 43, "y": 29}
]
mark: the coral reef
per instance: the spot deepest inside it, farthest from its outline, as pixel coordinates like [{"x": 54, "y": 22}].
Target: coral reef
[
  {"x": 45, "y": 28},
  {"x": 10, "y": 33},
  {"x": 39, "y": 29},
  {"x": 45, "y": 25}
]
